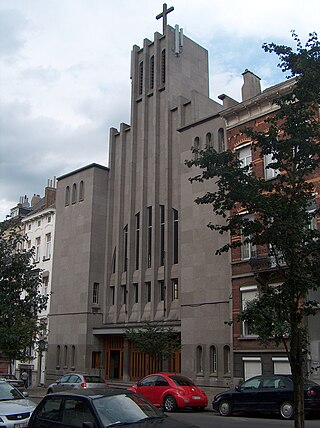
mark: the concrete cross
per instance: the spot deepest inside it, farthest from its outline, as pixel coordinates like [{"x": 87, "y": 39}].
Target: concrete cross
[{"x": 163, "y": 15}]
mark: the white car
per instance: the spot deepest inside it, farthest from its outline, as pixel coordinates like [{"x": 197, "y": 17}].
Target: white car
[{"x": 15, "y": 408}]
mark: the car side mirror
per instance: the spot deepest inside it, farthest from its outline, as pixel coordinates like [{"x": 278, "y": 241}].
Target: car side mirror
[
  {"x": 238, "y": 388},
  {"x": 87, "y": 425}
]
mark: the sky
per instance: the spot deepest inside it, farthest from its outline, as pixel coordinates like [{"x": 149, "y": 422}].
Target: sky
[{"x": 65, "y": 72}]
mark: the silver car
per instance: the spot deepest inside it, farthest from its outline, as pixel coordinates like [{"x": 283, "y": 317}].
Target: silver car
[
  {"x": 15, "y": 409},
  {"x": 76, "y": 381}
]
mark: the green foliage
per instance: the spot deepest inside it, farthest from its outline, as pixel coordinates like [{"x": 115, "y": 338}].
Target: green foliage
[
  {"x": 157, "y": 341},
  {"x": 20, "y": 298}
]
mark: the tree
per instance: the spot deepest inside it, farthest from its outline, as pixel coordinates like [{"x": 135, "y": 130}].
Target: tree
[
  {"x": 156, "y": 341},
  {"x": 20, "y": 298},
  {"x": 282, "y": 209}
]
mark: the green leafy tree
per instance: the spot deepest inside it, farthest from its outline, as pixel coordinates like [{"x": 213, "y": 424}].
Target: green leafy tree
[
  {"x": 282, "y": 209},
  {"x": 20, "y": 298},
  {"x": 157, "y": 341}
]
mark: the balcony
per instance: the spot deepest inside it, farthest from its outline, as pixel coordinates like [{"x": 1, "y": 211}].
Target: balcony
[{"x": 264, "y": 263}]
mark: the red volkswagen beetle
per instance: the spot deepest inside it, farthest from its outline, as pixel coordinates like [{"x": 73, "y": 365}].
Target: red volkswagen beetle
[{"x": 171, "y": 391}]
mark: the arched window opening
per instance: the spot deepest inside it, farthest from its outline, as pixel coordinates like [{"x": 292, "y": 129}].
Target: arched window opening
[
  {"x": 226, "y": 359},
  {"x": 81, "y": 191},
  {"x": 74, "y": 193},
  {"x": 196, "y": 146},
  {"x": 209, "y": 140},
  {"x": 67, "y": 196},
  {"x": 65, "y": 356},
  {"x": 199, "y": 361},
  {"x": 73, "y": 356},
  {"x": 58, "y": 356},
  {"x": 213, "y": 359}
]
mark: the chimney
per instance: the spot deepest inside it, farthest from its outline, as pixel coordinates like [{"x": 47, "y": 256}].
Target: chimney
[
  {"x": 35, "y": 199},
  {"x": 251, "y": 85},
  {"x": 227, "y": 101}
]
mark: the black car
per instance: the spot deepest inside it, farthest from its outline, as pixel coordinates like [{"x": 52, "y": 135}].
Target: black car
[
  {"x": 267, "y": 394},
  {"x": 97, "y": 408}
]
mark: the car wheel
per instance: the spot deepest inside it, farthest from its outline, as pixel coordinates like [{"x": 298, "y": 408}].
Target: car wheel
[
  {"x": 225, "y": 408},
  {"x": 169, "y": 404},
  {"x": 286, "y": 410}
]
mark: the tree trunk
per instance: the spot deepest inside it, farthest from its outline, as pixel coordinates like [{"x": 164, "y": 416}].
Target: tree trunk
[{"x": 297, "y": 367}]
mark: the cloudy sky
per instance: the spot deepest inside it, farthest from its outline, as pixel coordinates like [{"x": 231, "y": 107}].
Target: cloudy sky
[{"x": 65, "y": 67}]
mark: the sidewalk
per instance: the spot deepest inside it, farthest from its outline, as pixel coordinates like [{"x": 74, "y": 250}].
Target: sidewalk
[{"x": 37, "y": 391}]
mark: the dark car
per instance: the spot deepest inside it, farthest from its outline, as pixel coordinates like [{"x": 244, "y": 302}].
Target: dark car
[
  {"x": 171, "y": 391},
  {"x": 267, "y": 394},
  {"x": 76, "y": 381},
  {"x": 97, "y": 408}
]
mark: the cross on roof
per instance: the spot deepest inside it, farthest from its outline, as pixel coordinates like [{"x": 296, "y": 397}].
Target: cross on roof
[{"x": 163, "y": 15}]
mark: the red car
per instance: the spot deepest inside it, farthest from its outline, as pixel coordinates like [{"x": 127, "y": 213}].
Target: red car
[{"x": 171, "y": 391}]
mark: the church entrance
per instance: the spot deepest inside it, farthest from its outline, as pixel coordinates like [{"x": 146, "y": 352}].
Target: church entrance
[{"x": 114, "y": 357}]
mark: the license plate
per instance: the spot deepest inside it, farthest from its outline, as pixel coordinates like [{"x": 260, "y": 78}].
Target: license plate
[
  {"x": 196, "y": 397},
  {"x": 22, "y": 425}
]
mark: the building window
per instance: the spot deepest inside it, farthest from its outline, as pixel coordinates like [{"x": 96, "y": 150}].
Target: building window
[
  {"x": 95, "y": 293},
  {"x": 96, "y": 358},
  {"x": 140, "y": 78},
  {"x": 48, "y": 246},
  {"x": 245, "y": 156},
  {"x": 49, "y": 219},
  {"x": 114, "y": 260},
  {"x": 81, "y": 191},
  {"x": 209, "y": 142},
  {"x": 29, "y": 226},
  {"x": 39, "y": 223},
  {"x": 269, "y": 172},
  {"x": 175, "y": 236},
  {"x": 221, "y": 147},
  {"x": 45, "y": 282},
  {"x": 196, "y": 146},
  {"x": 149, "y": 236},
  {"x": 65, "y": 356},
  {"x": 163, "y": 66},
  {"x": 37, "y": 250},
  {"x": 213, "y": 359},
  {"x": 58, "y": 356},
  {"x": 162, "y": 232},
  {"x": 125, "y": 248},
  {"x": 67, "y": 196},
  {"x": 152, "y": 72},
  {"x": 148, "y": 291},
  {"x": 199, "y": 361},
  {"x": 161, "y": 291},
  {"x": 135, "y": 293},
  {"x": 74, "y": 193},
  {"x": 247, "y": 294},
  {"x": 137, "y": 252},
  {"x": 248, "y": 250},
  {"x": 112, "y": 295},
  {"x": 124, "y": 294},
  {"x": 175, "y": 289},
  {"x": 226, "y": 359},
  {"x": 73, "y": 356}
]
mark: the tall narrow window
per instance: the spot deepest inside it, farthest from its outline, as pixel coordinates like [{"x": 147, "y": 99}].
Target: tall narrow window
[
  {"x": 48, "y": 246},
  {"x": 162, "y": 230},
  {"x": 37, "y": 251},
  {"x": 196, "y": 146},
  {"x": 124, "y": 294},
  {"x": 175, "y": 236},
  {"x": 65, "y": 356},
  {"x": 96, "y": 358},
  {"x": 137, "y": 246},
  {"x": 161, "y": 291},
  {"x": 152, "y": 72},
  {"x": 125, "y": 248},
  {"x": 213, "y": 359},
  {"x": 175, "y": 289},
  {"x": 209, "y": 141},
  {"x": 95, "y": 293},
  {"x": 245, "y": 156},
  {"x": 74, "y": 193},
  {"x": 58, "y": 356},
  {"x": 221, "y": 140},
  {"x": 135, "y": 293},
  {"x": 81, "y": 191},
  {"x": 73, "y": 356},
  {"x": 199, "y": 361},
  {"x": 163, "y": 66},
  {"x": 112, "y": 295},
  {"x": 114, "y": 260},
  {"x": 226, "y": 359},
  {"x": 149, "y": 237},
  {"x": 140, "y": 78},
  {"x": 148, "y": 291},
  {"x": 67, "y": 196},
  {"x": 248, "y": 293},
  {"x": 248, "y": 250}
]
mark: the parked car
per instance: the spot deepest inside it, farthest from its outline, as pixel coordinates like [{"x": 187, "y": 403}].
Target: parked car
[
  {"x": 15, "y": 408},
  {"x": 267, "y": 394},
  {"x": 76, "y": 381},
  {"x": 171, "y": 391},
  {"x": 97, "y": 408},
  {"x": 10, "y": 378}
]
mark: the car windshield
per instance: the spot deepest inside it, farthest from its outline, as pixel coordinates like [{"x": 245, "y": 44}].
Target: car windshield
[
  {"x": 94, "y": 379},
  {"x": 182, "y": 381},
  {"x": 8, "y": 392},
  {"x": 125, "y": 409}
]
